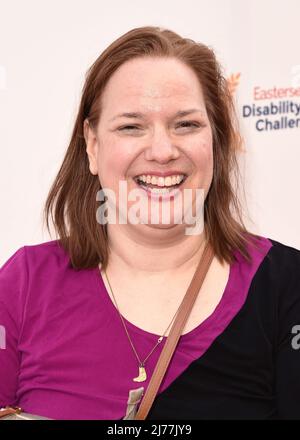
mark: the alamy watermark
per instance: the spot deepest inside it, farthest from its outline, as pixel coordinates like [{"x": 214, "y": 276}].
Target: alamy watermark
[
  {"x": 174, "y": 207},
  {"x": 296, "y": 339}
]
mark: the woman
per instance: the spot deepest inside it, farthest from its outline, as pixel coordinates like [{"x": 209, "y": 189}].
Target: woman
[{"x": 86, "y": 316}]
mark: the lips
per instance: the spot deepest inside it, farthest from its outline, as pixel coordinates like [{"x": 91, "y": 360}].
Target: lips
[
  {"x": 153, "y": 181},
  {"x": 160, "y": 193}
]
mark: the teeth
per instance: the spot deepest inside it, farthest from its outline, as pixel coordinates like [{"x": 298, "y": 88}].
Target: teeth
[
  {"x": 154, "y": 180},
  {"x": 168, "y": 181},
  {"x": 161, "y": 190},
  {"x": 161, "y": 181}
]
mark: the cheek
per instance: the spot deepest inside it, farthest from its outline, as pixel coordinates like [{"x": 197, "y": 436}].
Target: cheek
[
  {"x": 202, "y": 154},
  {"x": 114, "y": 159}
]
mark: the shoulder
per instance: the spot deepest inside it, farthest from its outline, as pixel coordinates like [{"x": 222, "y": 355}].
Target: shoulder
[
  {"x": 274, "y": 268},
  {"x": 274, "y": 255},
  {"x": 30, "y": 277},
  {"x": 279, "y": 274},
  {"x": 283, "y": 260},
  {"x": 29, "y": 261},
  {"x": 35, "y": 253},
  {"x": 284, "y": 254},
  {"x": 49, "y": 255},
  {"x": 285, "y": 264}
]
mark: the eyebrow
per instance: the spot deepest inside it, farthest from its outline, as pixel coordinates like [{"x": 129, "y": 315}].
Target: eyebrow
[{"x": 138, "y": 115}]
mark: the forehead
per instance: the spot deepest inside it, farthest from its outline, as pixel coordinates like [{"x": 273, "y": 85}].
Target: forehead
[{"x": 152, "y": 83}]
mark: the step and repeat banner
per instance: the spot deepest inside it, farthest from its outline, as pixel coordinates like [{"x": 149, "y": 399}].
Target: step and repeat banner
[
  {"x": 264, "y": 70},
  {"x": 46, "y": 48}
]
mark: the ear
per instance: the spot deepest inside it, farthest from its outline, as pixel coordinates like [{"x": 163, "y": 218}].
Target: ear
[{"x": 91, "y": 146}]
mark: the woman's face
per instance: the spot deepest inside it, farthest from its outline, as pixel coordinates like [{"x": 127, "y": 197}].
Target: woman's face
[{"x": 153, "y": 122}]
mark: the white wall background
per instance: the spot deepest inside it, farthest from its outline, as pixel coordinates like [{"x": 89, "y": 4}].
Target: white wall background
[{"x": 47, "y": 46}]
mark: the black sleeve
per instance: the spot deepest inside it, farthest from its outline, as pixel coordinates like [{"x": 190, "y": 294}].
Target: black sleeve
[{"x": 287, "y": 368}]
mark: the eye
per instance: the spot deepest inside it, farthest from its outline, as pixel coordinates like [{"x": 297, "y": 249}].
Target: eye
[
  {"x": 189, "y": 124},
  {"x": 129, "y": 127}
]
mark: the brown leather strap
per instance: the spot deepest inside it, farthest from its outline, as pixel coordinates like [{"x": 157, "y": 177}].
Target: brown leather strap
[
  {"x": 9, "y": 410},
  {"x": 175, "y": 332}
]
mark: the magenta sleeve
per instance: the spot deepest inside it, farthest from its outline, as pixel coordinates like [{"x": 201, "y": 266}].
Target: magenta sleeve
[{"x": 13, "y": 289}]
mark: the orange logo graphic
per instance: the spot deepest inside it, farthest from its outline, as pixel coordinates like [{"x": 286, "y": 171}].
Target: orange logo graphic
[{"x": 233, "y": 81}]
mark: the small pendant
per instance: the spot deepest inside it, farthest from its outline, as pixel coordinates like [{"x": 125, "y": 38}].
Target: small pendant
[{"x": 142, "y": 374}]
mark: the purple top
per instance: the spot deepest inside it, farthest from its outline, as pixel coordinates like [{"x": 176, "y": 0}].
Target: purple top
[{"x": 64, "y": 353}]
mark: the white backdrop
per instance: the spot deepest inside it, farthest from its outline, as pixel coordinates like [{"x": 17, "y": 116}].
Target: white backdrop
[{"x": 47, "y": 46}]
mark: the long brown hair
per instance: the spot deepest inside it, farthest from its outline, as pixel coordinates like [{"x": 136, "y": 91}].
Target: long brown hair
[{"x": 71, "y": 201}]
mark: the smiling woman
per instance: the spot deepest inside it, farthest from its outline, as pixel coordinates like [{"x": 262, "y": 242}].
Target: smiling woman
[{"x": 87, "y": 315}]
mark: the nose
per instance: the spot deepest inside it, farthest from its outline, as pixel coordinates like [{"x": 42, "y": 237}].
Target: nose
[{"x": 162, "y": 148}]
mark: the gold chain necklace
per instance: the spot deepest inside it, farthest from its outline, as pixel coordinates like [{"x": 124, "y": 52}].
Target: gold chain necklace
[{"x": 142, "y": 371}]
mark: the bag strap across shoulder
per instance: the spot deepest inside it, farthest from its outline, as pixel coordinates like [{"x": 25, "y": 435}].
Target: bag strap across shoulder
[{"x": 175, "y": 332}]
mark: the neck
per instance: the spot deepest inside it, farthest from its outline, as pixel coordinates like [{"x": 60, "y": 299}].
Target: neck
[{"x": 153, "y": 251}]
